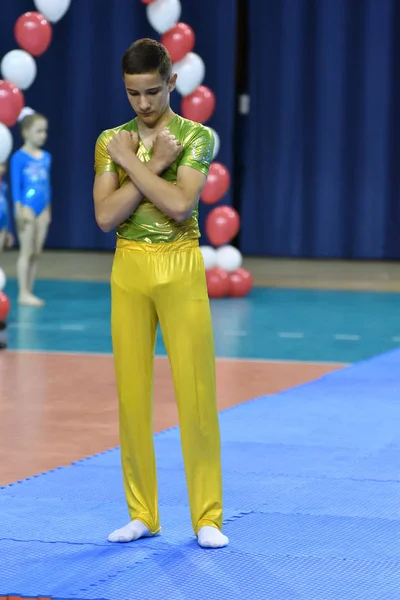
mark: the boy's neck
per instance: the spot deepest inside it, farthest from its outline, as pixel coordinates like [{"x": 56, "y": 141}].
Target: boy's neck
[{"x": 164, "y": 119}]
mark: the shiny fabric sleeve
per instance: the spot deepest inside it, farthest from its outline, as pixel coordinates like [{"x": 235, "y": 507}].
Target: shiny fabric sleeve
[
  {"x": 102, "y": 161},
  {"x": 16, "y": 167},
  {"x": 199, "y": 149}
]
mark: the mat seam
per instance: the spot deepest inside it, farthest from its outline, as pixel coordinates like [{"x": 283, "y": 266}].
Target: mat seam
[{"x": 273, "y": 473}]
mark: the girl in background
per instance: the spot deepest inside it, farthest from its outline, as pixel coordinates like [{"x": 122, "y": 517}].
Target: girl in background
[
  {"x": 31, "y": 192},
  {"x": 6, "y": 237}
]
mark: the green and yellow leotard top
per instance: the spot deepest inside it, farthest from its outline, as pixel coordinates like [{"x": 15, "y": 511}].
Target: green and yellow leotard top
[{"x": 147, "y": 223}]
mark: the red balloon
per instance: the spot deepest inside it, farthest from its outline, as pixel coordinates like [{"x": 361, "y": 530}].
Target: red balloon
[
  {"x": 10, "y": 103},
  {"x": 218, "y": 182},
  {"x": 147, "y": 1},
  {"x": 18, "y": 96},
  {"x": 240, "y": 283},
  {"x": 217, "y": 283},
  {"x": 222, "y": 224},
  {"x": 178, "y": 41},
  {"x": 4, "y": 306},
  {"x": 33, "y": 33},
  {"x": 199, "y": 105}
]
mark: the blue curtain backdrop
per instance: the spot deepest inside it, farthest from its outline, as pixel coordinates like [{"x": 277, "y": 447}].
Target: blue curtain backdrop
[
  {"x": 322, "y": 141},
  {"x": 79, "y": 88}
]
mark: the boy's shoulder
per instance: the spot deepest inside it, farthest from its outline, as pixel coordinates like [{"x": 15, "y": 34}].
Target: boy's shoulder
[{"x": 192, "y": 128}]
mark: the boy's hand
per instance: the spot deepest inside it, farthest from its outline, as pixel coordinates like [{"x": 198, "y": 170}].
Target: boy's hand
[{"x": 166, "y": 148}]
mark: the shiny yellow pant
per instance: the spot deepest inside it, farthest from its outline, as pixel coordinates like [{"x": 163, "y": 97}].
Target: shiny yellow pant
[{"x": 165, "y": 283}]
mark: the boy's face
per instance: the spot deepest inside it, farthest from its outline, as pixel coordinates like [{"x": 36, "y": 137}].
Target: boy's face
[{"x": 148, "y": 94}]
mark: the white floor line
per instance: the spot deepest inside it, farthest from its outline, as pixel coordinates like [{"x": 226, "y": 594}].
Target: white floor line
[
  {"x": 291, "y": 335},
  {"x": 47, "y": 326}
]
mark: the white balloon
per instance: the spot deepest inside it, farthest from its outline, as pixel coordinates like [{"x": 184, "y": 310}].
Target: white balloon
[
  {"x": 3, "y": 280},
  {"x": 190, "y": 71},
  {"x": 216, "y": 142},
  {"x": 209, "y": 257},
  {"x": 53, "y": 10},
  {"x": 229, "y": 258},
  {"x": 19, "y": 67},
  {"x": 6, "y": 143},
  {"x": 25, "y": 112},
  {"x": 163, "y": 14}
]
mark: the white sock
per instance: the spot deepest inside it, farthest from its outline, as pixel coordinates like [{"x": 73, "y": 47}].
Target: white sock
[
  {"x": 211, "y": 537},
  {"x": 131, "y": 532}
]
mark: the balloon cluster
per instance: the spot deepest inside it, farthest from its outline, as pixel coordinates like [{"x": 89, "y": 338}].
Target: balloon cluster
[
  {"x": 223, "y": 262},
  {"x": 33, "y": 33}
]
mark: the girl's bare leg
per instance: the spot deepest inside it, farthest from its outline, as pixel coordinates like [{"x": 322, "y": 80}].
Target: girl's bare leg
[
  {"x": 32, "y": 232},
  {"x": 42, "y": 228}
]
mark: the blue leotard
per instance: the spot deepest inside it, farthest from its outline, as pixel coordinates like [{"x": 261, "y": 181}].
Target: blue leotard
[
  {"x": 4, "y": 211},
  {"x": 30, "y": 180}
]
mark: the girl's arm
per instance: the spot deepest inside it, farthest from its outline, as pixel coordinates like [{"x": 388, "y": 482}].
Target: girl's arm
[
  {"x": 10, "y": 237},
  {"x": 49, "y": 189},
  {"x": 16, "y": 166}
]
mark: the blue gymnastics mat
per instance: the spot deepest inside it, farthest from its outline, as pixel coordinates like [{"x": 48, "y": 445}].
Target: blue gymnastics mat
[{"x": 312, "y": 507}]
